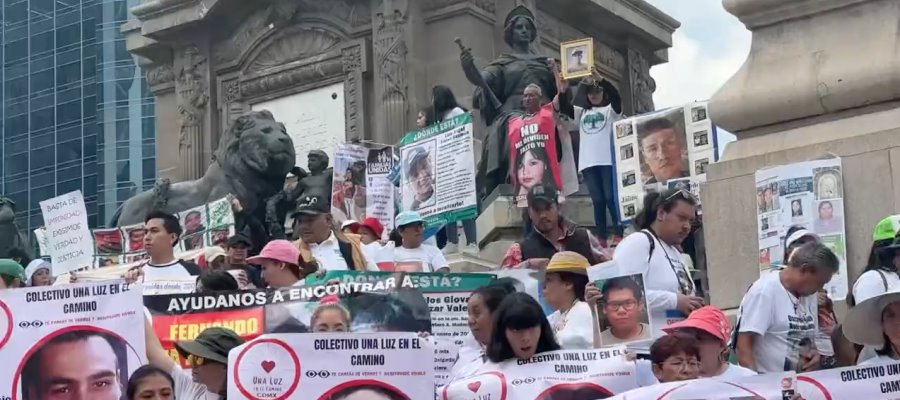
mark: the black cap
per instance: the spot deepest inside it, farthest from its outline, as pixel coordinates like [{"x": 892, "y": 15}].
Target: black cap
[
  {"x": 542, "y": 194},
  {"x": 212, "y": 344},
  {"x": 239, "y": 238},
  {"x": 311, "y": 205}
]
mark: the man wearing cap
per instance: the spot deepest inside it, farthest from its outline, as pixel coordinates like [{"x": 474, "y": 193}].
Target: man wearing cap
[
  {"x": 420, "y": 176},
  {"x": 318, "y": 239},
  {"x": 412, "y": 255},
  {"x": 12, "y": 275},
  {"x": 552, "y": 233},
  {"x": 778, "y": 315},
  {"x": 207, "y": 355}
]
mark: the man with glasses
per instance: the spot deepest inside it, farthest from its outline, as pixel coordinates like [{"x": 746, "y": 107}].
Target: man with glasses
[{"x": 623, "y": 307}]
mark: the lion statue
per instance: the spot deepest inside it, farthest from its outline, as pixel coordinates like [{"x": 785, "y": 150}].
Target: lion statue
[
  {"x": 13, "y": 242},
  {"x": 252, "y": 160}
]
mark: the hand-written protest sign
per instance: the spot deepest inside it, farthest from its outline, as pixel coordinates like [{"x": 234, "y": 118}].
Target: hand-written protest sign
[
  {"x": 876, "y": 381},
  {"x": 564, "y": 374},
  {"x": 438, "y": 171},
  {"x": 332, "y": 366},
  {"x": 389, "y": 304},
  {"x": 68, "y": 235},
  {"x": 447, "y": 296},
  {"x": 93, "y": 327}
]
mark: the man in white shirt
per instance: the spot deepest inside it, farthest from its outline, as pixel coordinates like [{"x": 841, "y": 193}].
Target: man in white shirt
[
  {"x": 332, "y": 250},
  {"x": 413, "y": 255},
  {"x": 778, "y": 315},
  {"x": 163, "y": 233}
]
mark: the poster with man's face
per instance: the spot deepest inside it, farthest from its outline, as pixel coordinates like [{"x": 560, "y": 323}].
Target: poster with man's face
[{"x": 663, "y": 153}]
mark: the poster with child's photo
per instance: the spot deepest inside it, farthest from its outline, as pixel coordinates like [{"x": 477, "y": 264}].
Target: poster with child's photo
[{"x": 622, "y": 310}]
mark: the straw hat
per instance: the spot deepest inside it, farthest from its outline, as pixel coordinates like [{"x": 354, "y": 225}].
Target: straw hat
[
  {"x": 568, "y": 261},
  {"x": 863, "y": 322}
]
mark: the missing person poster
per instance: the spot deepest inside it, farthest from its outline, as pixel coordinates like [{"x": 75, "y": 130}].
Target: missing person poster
[
  {"x": 809, "y": 195},
  {"x": 67, "y": 232},
  {"x": 333, "y": 366},
  {"x": 438, "y": 171},
  {"x": 447, "y": 296},
  {"x": 388, "y": 304},
  {"x": 54, "y": 339},
  {"x": 207, "y": 225},
  {"x": 663, "y": 149},
  {"x": 871, "y": 381},
  {"x": 533, "y": 159},
  {"x": 348, "y": 187},
  {"x": 379, "y": 189},
  {"x": 623, "y": 310},
  {"x": 565, "y": 374}
]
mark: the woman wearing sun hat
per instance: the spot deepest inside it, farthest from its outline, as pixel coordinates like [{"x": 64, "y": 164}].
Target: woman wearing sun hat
[
  {"x": 876, "y": 323},
  {"x": 565, "y": 280}
]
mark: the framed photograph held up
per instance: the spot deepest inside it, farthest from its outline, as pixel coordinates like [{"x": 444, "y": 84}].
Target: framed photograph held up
[{"x": 577, "y": 57}]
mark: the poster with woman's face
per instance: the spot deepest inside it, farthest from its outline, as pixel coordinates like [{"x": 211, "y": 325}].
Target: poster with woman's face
[
  {"x": 418, "y": 185},
  {"x": 533, "y": 158}
]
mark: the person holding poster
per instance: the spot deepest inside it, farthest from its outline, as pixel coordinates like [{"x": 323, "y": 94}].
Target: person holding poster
[
  {"x": 534, "y": 149},
  {"x": 481, "y": 306},
  {"x": 564, "y": 284},
  {"x": 519, "y": 330},
  {"x": 330, "y": 316},
  {"x": 12, "y": 275},
  {"x": 163, "y": 233},
  {"x": 664, "y": 222}
]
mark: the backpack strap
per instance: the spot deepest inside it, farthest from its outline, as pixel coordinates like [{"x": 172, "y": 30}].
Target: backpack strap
[
  {"x": 883, "y": 279},
  {"x": 652, "y": 244},
  {"x": 191, "y": 267}
]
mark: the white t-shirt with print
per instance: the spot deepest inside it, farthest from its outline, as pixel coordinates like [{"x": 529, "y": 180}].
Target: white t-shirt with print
[
  {"x": 575, "y": 329},
  {"x": 187, "y": 389},
  {"x": 783, "y": 322},
  {"x": 595, "y": 135},
  {"x": 425, "y": 258},
  {"x": 660, "y": 276},
  {"x": 172, "y": 278}
]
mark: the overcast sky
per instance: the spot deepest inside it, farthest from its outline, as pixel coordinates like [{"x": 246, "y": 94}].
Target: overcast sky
[{"x": 707, "y": 49}]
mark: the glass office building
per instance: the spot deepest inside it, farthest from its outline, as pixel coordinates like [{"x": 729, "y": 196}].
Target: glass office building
[{"x": 77, "y": 114}]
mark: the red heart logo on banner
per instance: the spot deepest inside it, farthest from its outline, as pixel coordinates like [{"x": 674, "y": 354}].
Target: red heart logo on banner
[
  {"x": 268, "y": 366},
  {"x": 474, "y": 386}
]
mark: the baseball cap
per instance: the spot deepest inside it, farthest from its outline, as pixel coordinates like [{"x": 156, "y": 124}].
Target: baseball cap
[
  {"x": 541, "y": 193},
  {"x": 886, "y": 228},
  {"x": 415, "y": 155},
  {"x": 373, "y": 224},
  {"x": 708, "y": 319},
  {"x": 12, "y": 269},
  {"x": 239, "y": 238},
  {"x": 212, "y": 344},
  {"x": 311, "y": 205},
  {"x": 406, "y": 218},
  {"x": 278, "y": 250},
  {"x": 353, "y": 225},
  {"x": 213, "y": 252}
]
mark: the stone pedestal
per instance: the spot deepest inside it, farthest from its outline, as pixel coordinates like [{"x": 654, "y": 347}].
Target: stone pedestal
[{"x": 822, "y": 77}]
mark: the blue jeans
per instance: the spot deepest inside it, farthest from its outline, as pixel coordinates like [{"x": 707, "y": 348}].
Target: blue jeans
[
  {"x": 468, "y": 229},
  {"x": 599, "y": 180}
]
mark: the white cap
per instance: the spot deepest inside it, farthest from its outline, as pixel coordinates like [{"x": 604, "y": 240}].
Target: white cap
[{"x": 349, "y": 222}]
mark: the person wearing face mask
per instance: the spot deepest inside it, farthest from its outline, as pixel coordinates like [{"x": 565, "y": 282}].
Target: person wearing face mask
[
  {"x": 150, "y": 383},
  {"x": 37, "y": 273},
  {"x": 519, "y": 330},
  {"x": 330, "y": 316},
  {"x": 663, "y": 223},
  {"x": 483, "y": 302},
  {"x": 564, "y": 284},
  {"x": 280, "y": 261}
]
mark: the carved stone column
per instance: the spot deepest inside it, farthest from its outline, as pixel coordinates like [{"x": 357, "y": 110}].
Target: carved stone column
[
  {"x": 354, "y": 61},
  {"x": 192, "y": 99},
  {"x": 394, "y": 24},
  {"x": 641, "y": 85}
]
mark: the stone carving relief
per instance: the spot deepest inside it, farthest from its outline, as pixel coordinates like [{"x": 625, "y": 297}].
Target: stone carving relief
[
  {"x": 352, "y": 64},
  {"x": 192, "y": 98},
  {"x": 231, "y": 90},
  {"x": 642, "y": 84},
  {"x": 390, "y": 49},
  {"x": 488, "y": 6},
  {"x": 294, "y": 44},
  {"x": 159, "y": 74}
]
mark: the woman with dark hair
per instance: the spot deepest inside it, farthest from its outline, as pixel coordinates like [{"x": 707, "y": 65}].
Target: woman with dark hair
[
  {"x": 564, "y": 285},
  {"x": 533, "y": 169},
  {"x": 881, "y": 273},
  {"x": 150, "y": 383},
  {"x": 795, "y": 237},
  {"x": 367, "y": 392},
  {"x": 519, "y": 330},
  {"x": 663, "y": 223},
  {"x": 482, "y": 304},
  {"x": 876, "y": 323},
  {"x": 213, "y": 281},
  {"x": 675, "y": 358}
]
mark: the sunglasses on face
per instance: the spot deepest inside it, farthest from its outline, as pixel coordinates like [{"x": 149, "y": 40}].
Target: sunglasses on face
[{"x": 195, "y": 361}]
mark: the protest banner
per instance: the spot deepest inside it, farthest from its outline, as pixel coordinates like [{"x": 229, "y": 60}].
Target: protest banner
[
  {"x": 533, "y": 157},
  {"x": 624, "y": 313},
  {"x": 68, "y": 234},
  {"x": 659, "y": 150},
  {"x": 564, "y": 374},
  {"x": 806, "y": 194},
  {"x": 332, "y": 366},
  {"x": 879, "y": 381},
  {"x": 348, "y": 187},
  {"x": 438, "y": 171},
  {"x": 46, "y": 333},
  {"x": 447, "y": 296},
  {"x": 386, "y": 304},
  {"x": 379, "y": 189}
]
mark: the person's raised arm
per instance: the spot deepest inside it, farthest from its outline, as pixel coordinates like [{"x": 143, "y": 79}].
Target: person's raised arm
[{"x": 156, "y": 355}]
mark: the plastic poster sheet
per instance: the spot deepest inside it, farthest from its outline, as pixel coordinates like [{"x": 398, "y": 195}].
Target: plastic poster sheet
[
  {"x": 565, "y": 374},
  {"x": 809, "y": 194},
  {"x": 67, "y": 232},
  {"x": 329, "y": 366},
  {"x": 438, "y": 171},
  {"x": 661, "y": 150},
  {"x": 52, "y": 333},
  {"x": 379, "y": 189},
  {"x": 623, "y": 312},
  {"x": 348, "y": 187}
]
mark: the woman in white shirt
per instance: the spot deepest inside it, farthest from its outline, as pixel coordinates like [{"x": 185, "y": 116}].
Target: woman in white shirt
[
  {"x": 876, "y": 323},
  {"x": 412, "y": 255},
  {"x": 881, "y": 274},
  {"x": 481, "y": 306},
  {"x": 664, "y": 222},
  {"x": 565, "y": 280}
]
